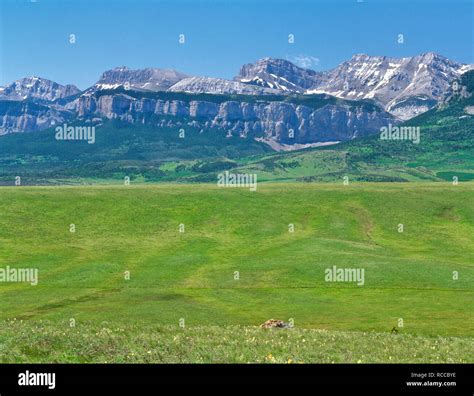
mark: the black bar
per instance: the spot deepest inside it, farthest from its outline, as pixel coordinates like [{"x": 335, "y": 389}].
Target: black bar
[{"x": 357, "y": 379}]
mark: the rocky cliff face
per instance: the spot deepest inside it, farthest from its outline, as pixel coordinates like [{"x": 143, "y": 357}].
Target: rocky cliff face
[
  {"x": 281, "y": 121},
  {"x": 22, "y": 116}
]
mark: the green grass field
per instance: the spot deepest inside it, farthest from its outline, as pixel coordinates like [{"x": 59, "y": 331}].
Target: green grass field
[{"x": 191, "y": 275}]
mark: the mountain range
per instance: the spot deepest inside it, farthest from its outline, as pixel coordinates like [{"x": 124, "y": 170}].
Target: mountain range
[
  {"x": 272, "y": 100},
  {"x": 404, "y": 87},
  {"x": 145, "y": 152}
]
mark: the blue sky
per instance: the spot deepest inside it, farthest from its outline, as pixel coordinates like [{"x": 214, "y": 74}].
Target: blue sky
[{"x": 220, "y": 35}]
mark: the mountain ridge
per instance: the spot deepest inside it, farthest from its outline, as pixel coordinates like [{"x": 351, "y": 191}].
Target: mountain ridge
[
  {"x": 405, "y": 86},
  {"x": 269, "y": 99},
  {"x": 36, "y": 87}
]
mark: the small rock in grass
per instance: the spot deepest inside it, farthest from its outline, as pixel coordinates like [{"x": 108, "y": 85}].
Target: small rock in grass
[{"x": 275, "y": 324}]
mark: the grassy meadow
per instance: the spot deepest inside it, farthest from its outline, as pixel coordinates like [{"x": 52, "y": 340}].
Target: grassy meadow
[
  {"x": 236, "y": 265},
  {"x": 91, "y": 342}
]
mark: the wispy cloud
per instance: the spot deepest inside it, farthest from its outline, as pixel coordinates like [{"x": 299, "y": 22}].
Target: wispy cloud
[{"x": 305, "y": 61}]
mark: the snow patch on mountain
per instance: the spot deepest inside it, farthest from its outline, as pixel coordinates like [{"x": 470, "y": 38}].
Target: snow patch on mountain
[
  {"x": 149, "y": 79},
  {"x": 218, "y": 86}
]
